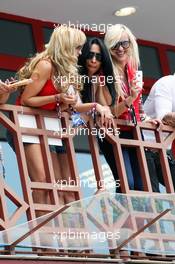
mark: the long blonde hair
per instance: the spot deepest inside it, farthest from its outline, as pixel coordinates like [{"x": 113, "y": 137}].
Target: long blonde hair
[
  {"x": 60, "y": 51},
  {"x": 113, "y": 36}
]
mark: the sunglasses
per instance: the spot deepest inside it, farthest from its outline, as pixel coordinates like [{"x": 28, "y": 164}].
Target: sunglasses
[
  {"x": 125, "y": 44},
  {"x": 91, "y": 55}
]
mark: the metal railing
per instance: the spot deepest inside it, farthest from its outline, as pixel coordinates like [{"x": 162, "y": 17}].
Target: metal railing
[{"x": 9, "y": 118}]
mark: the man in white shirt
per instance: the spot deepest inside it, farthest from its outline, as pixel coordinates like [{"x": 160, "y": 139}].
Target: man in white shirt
[
  {"x": 161, "y": 104},
  {"x": 161, "y": 99}
]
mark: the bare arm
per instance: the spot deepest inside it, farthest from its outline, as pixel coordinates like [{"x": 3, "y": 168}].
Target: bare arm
[
  {"x": 4, "y": 98},
  {"x": 122, "y": 106},
  {"x": 104, "y": 98},
  {"x": 104, "y": 111},
  {"x": 85, "y": 107},
  {"x": 39, "y": 76},
  {"x": 169, "y": 119}
]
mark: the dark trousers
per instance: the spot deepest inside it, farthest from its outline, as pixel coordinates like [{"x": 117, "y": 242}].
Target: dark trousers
[
  {"x": 155, "y": 169},
  {"x": 130, "y": 160}
]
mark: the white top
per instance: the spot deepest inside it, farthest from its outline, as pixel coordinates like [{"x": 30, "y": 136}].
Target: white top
[{"x": 161, "y": 99}]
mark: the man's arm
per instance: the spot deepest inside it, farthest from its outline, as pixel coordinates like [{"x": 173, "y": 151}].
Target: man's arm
[{"x": 169, "y": 119}]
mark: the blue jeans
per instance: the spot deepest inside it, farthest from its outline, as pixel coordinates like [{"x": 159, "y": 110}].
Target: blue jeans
[
  {"x": 131, "y": 164},
  {"x": 132, "y": 169}
]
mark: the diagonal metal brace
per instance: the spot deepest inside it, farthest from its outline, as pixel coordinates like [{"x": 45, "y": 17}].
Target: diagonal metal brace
[
  {"x": 57, "y": 212},
  {"x": 125, "y": 242}
]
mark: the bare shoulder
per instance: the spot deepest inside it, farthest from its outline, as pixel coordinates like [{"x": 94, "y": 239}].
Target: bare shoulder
[
  {"x": 43, "y": 68},
  {"x": 44, "y": 65}
]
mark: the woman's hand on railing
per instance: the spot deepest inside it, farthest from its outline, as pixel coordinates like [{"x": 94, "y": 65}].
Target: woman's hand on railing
[
  {"x": 106, "y": 118},
  {"x": 156, "y": 121},
  {"x": 67, "y": 99}
]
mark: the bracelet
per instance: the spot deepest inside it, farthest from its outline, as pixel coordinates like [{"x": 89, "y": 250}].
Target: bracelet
[
  {"x": 58, "y": 108},
  {"x": 94, "y": 107},
  {"x": 92, "y": 110},
  {"x": 57, "y": 98}
]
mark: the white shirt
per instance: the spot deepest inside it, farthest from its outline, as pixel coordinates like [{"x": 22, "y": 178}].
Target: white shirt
[{"x": 161, "y": 99}]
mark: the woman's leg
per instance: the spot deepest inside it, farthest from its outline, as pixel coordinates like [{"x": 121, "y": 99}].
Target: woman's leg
[
  {"x": 66, "y": 175},
  {"x": 36, "y": 171},
  {"x": 62, "y": 176},
  {"x": 57, "y": 172}
]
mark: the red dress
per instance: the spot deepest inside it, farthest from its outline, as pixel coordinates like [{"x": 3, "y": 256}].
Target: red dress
[
  {"x": 48, "y": 89},
  {"x": 137, "y": 102}
]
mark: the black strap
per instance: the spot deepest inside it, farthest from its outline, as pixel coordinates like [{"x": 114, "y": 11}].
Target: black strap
[{"x": 133, "y": 115}]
